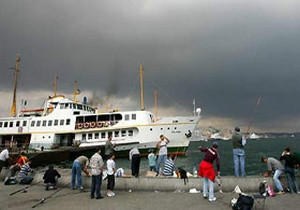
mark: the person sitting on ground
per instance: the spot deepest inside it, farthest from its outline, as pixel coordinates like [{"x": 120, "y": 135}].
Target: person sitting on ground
[
  {"x": 24, "y": 176},
  {"x": 51, "y": 177},
  {"x": 169, "y": 167},
  {"x": 277, "y": 167},
  {"x": 14, "y": 168}
]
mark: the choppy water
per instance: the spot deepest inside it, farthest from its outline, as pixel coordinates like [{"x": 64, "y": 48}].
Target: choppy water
[{"x": 254, "y": 151}]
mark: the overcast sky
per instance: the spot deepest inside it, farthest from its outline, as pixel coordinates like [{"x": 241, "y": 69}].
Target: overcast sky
[{"x": 225, "y": 54}]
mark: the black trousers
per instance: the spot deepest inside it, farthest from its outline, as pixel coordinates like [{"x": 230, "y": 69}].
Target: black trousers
[
  {"x": 111, "y": 182},
  {"x": 135, "y": 165}
]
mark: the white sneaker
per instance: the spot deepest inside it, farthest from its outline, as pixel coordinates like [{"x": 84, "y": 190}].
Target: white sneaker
[
  {"x": 205, "y": 196},
  {"x": 212, "y": 199},
  {"x": 111, "y": 194}
]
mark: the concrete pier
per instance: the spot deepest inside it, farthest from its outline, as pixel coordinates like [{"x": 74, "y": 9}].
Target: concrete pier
[
  {"x": 143, "y": 183},
  {"x": 138, "y": 193}
]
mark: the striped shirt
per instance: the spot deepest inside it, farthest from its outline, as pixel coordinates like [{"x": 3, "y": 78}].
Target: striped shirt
[
  {"x": 24, "y": 171},
  {"x": 169, "y": 167}
]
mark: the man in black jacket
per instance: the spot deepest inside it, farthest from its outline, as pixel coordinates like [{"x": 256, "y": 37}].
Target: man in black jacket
[{"x": 50, "y": 178}]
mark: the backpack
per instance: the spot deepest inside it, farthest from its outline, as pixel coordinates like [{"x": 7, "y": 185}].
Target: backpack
[
  {"x": 183, "y": 175},
  {"x": 270, "y": 191},
  {"x": 244, "y": 202},
  {"x": 262, "y": 188}
]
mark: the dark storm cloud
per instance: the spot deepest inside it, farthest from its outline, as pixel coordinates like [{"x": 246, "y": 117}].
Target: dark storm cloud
[{"x": 224, "y": 54}]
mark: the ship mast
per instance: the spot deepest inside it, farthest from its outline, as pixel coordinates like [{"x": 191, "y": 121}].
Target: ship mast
[
  {"x": 142, "y": 87},
  {"x": 13, "y": 107},
  {"x": 75, "y": 92},
  {"x": 155, "y": 105}
]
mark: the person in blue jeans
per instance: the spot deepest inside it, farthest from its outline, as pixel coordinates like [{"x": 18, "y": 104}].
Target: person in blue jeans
[
  {"x": 80, "y": 164},
  {"x": 97, "y": 166},
  {"x": 289, "y": 169},
  {"x": 238, "y": 153},
  {"x": 163, "y": 151},
  {"x": 275, "y": 166}
]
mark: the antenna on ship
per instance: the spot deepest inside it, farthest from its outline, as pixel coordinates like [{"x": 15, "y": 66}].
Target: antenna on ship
[
  {"x": 142, "y": 87},
  {"x": 14, "y": 106}
]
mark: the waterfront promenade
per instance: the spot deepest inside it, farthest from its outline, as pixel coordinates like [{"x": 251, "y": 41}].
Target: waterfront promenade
[
  {"x": 67, "y": 199},
  {"x": 139, "y": 193}
]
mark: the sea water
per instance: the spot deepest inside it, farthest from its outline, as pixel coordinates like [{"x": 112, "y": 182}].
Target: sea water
[{"x": 254, "y": 149}]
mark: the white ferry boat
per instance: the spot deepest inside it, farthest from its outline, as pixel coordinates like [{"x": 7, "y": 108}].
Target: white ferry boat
[{"x": 64, "y": 122}]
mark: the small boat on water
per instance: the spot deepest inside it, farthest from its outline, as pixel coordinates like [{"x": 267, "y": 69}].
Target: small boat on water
[{"x": 64, "y": 125}]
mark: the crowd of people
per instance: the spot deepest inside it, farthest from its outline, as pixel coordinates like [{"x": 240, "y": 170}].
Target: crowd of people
[{"x": 161, "y": 163}]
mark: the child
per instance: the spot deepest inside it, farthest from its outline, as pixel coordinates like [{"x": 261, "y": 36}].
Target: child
[
  {"x": 111, "y": 169},
  {"x": 152, "y": 160}
]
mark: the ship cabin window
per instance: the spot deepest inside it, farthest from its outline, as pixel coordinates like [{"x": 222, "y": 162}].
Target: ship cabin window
[
  {"x": 133, "y": 116},
  {"x": 17, "y": 123},
  {"x": 66, "y": 106},
  {"x": 84, "y": 108},
  {"x": 126, "y": 116},
  {"x": 61, "y": 122},
  {"x": 24, "y": 123},
  {"x": 90, "y": 136},
  {"x": 32, "y": 123},
  {"x": 123, "y": 133},
  {"x": 84, "y": 136},
  {"x": 175, "y": 128},
  {"x": 130, "y": 132},
  {"x": 116, "y": 133},
  {"x": 79, "y": 106},
  {"x": 1, "y": 124},
  {"x": 38, "y": 123},
  {"x": 44, "y": 123},
  {"x": 68, "y": 122},
  {"x": 11, "y": 124},
  {"x": 109, "y": 133},
  {"x": 50, "y": 123},
  {"x": 5, "y": 124},
  {"x": 55, "y": 122},
  {"x": 61, "y": 106},
  {"x": 103, "y": 135},
  {"x": 76, "y": 113},
  {"x": 74, "y": 106},
  {"x": 96, "y": 135}
]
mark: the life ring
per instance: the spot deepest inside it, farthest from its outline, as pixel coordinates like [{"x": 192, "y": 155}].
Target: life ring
[
  {"x": 86, "y": 125},
  {"x": 79, "y": 125},
  {"x": 106, "y": 124},
  {"x": 93, "y": 124},
  {"x": 99, "y": 124}
]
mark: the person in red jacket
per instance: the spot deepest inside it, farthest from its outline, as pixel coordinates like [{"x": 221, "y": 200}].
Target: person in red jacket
[{"x": 206, "y": 170}]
